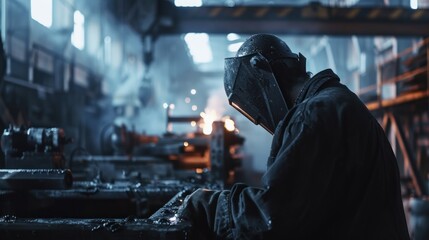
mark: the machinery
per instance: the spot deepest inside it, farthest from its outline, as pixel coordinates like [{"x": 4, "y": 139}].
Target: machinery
[
  {"x": 132, "y": 193},
  {"x": 34, "y": 148},
  {"x": 162, "y": 225}
]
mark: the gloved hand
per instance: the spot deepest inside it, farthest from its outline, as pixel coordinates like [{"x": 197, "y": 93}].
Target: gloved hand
[{"x": 200, "y": 208}]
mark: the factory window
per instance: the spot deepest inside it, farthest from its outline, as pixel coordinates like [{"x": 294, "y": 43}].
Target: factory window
[
  {"x": 41, "y": 11},
  {"x": 78, "y": 35},
  {"x": 414, "y": 4}
]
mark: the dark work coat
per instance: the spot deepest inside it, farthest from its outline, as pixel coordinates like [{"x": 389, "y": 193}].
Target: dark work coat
[{"x": 331, "y": 175}]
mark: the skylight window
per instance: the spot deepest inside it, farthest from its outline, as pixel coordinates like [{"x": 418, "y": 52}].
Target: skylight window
[{"x": 41, "y": 11}]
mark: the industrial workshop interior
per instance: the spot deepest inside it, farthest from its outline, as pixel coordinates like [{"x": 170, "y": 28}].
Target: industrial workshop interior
[{"x": 114, "y": 112}]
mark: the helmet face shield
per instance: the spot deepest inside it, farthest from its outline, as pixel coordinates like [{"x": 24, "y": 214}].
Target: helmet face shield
[{"x": 252, "y": 89}]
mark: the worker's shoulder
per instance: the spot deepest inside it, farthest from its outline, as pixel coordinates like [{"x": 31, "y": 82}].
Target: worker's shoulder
[
  {"x": 334, "y": 103},
  {"x": 336, "y": 95},
  {"x": 331, "y": 97}
]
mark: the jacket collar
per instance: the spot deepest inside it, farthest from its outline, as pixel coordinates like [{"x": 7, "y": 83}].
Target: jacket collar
[{"x": 315, "y": 83}]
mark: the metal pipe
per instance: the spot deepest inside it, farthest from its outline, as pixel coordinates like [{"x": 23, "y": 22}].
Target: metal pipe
[{"x": 27, "y": 179}]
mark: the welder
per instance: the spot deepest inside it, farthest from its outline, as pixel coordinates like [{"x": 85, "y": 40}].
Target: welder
[{"x": 331, "y": 173}]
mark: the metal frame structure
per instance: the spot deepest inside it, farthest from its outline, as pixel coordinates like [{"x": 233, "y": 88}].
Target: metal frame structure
[
  {"x": 310, "y": 19},
  {"x": 408, "y": 104}
]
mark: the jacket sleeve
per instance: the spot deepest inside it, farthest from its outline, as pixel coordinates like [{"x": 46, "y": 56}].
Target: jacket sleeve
[{"x": 299, "y": 184}]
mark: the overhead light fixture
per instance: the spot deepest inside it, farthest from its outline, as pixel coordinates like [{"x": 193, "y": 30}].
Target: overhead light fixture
[
  {"x": 188, "y": 3},
  {"x": 194, "y": 108},
  {"x": 78, "y": 34},
  {"x": 193, "y": 91},
  {"x": 165, "y": 105},
  {"x": 199, "y": 47},
  {"x": 233, "y": 47},
  {"x": 232, "y": 36}
]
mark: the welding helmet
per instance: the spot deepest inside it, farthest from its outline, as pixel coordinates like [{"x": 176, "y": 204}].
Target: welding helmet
[{"x": 250, "y": 83}]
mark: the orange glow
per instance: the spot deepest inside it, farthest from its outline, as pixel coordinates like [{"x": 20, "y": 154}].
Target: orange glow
[
  {"x": 209, "y": 116},
  {"x": 243, "y": 112},
  {"x": 229, "y": 124}
]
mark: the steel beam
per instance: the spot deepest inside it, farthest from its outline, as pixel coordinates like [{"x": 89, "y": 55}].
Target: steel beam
[{"x": 312, "y": 19}]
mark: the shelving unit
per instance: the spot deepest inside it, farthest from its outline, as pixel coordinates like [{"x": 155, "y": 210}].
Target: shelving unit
[{"x": 400, "y": 99}]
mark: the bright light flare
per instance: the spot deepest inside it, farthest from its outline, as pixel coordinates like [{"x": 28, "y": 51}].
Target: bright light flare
[
  {"x": 173, "y": 219},
  {"x": 229, "y": 124},
  {"x": 207, "y": 130},
  {"x": 209, "y": 116}
]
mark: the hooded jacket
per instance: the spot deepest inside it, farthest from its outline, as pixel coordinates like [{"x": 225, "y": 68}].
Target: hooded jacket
[{"x": 331, "y": 174}]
